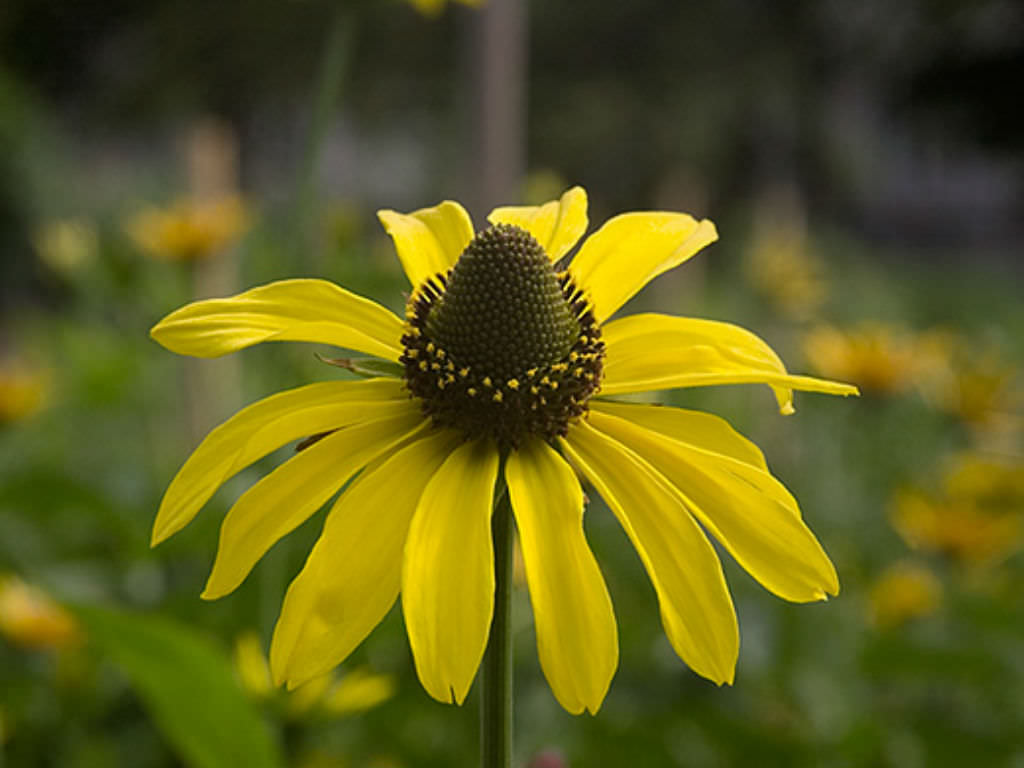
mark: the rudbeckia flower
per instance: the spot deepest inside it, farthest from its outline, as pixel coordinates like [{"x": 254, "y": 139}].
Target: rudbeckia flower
[
  {"x": 497, "y": 365},
  {"x": 190, "y": 230}
]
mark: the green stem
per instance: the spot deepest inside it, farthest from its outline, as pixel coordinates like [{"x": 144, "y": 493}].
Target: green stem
[{"x": 496, "y": 671}]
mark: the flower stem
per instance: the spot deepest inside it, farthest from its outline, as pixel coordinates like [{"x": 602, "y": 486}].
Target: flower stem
[{"x": 496, "y": 671}]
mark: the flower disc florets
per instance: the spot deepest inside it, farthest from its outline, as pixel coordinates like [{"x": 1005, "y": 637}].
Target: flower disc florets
[{"x": 501, "y": 345}]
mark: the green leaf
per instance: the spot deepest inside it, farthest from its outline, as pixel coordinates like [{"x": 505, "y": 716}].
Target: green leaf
[
  {"x": 369, "y": 367},
  {"x": 187, "y": 683}
]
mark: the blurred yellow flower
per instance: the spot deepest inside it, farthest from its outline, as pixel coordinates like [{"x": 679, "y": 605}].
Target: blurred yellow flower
[
  {"x": 359, "y": 690},
  {"x": 995, "y": 482},
  {"x": 781, "y": 267},
  {"x": 190, "y": 230},
  {"x": 434, "y": 7},
  {"x": 903, "y": 592},
  {"x": 976, "y": 387},
  {"x": 878, "y": 358},
  {"x": 22, "y": 391},
  {"x": 978, "y": 517},
  {"x": 30, "y": 619},
  {"x": 66, "y": 245}
]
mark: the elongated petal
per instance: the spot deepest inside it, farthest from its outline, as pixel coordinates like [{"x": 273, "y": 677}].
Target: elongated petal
[
  {"x": 264, "y": 427},
  {"x": 743, "y": 506},
  {"x": 289, "y": 310},
  {"x": 710, "y": 432},
  {"x": 696, "y": 609},
  {"x": 354, "y": 572},
  {"x": 632, "y": 249},
  {"x": 286, "y": 497},
  {"x": 448, "y": 572},
  {"x": 557, "y": 225},
  {"x": 429, "y": 240},
  {"x": 576, "y": 634},
  {"x": 651, "y": 351}
]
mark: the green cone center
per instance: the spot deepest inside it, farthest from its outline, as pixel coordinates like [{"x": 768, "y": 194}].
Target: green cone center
[
  {"x": 503, "y": 312},
  {"x": 501, "y": 346}
]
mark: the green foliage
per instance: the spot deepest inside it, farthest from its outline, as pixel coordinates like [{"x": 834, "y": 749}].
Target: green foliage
[{"x": 187, "y": 682}]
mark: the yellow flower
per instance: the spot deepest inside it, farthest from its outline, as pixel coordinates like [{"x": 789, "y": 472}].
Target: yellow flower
[
  {"x": 975, "y": 386},
  {"x": 497, "y": 365},
  {"x": 190, "y": 230},
  {"x": 359, "y": 690},
  {"x": 67, "y": 245},
  {"x": 22, "y": 391},
  {"x": 434, "y": 7},
  {"x": 878, "y": 358},
  {"x": 905, "y": 591},
  {"x": 780, "y": 264},
  {"x": 29, "y": 618},
  {"x": 977, "y": 519}
]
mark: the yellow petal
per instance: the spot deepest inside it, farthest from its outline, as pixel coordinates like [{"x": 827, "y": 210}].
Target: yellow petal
[
  {"x": 289, "y": 310},
  {"x": 263, "y": 427},
  {"x": 696, "y": 609},
  {"x": 429, "y": 240},
  {"x": 651, "y": 351},
  {"x": 632, "y": 249},
  {"x": 576, "y": 634},
  {"x": 251, "y": 664},
  {"x": 448, "y": 573},
  {"x": 352, "y": 577},
  {"x": 743, "y": 506},
  {"x": 556, "y": 225},
  {"x": 710, "y": 432},
  {"x": 359, "y": 690},
  {"x": 286, "y": 497}
]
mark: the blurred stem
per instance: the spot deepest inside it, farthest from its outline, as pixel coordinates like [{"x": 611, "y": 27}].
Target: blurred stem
[
  {"x": 496, "y": 671},
  {"x": 335, "y": 62},
  {"x": 496, "y": 69}
]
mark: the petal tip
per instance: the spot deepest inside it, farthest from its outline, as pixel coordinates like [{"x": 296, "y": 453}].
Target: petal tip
[{"x": 708, "y": 230}]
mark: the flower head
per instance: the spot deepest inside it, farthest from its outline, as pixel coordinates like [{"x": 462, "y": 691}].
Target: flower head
[
  {"x": 29, "y": 618},
  {"x": 502, "y": 367},
  {"x": 903, "y": 592},
  {"x": 359, "y": 690},
  {"x": 190, "y": 230},
  {"x": 781, "y": 264},
  {"x": 977, "y": 519},
  {"x": 23, "y": 391}
]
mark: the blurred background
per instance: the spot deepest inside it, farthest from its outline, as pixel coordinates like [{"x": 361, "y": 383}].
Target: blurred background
[{"x": 864, "y": 164}]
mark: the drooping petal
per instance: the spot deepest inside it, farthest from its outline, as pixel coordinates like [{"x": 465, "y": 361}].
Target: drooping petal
[
  {"x": 576, "y": 634},
  {"x": 286, "y": 497},
  {"x": 556, "y": 225},
  {"x": 742, "y": 505},
  {"x": 354, "y": 572},
  {"x": 429, "y": 240},
  {"x": 448, "y": 572},
  {"x": 289, "y": 310},
  {"x": 650, "y": 351},
  {"x": 632, "y": 249},
  {"x": 264, "y": 427},
  {"x": 696, "y": 609},
  {"x": 710, "y": 432}
]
